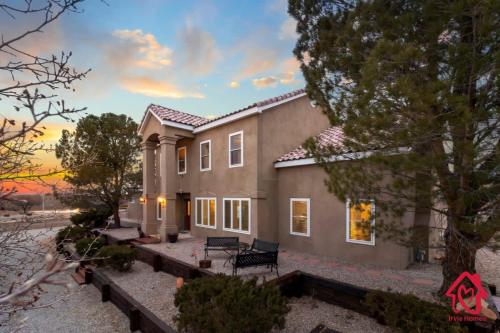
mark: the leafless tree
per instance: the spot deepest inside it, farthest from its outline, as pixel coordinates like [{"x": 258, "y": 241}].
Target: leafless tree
[{"x": 30, "y": 89}]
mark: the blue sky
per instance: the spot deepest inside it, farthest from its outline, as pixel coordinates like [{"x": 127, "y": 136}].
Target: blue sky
[{"x": 202, "y": 57}]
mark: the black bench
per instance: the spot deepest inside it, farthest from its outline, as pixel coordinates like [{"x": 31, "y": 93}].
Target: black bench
[
  {"x": 259, "y": 246},
  {"x": 261, "y": 253},
  {"x": 221, "y": 244}
]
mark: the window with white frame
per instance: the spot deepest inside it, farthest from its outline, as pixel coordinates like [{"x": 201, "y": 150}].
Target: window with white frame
[
  {"x": 206, "y": 212},
  {"x": 237, "y": 215},
  {"x": 300, "y": 216},
  {"x": 205, "y": 155},
  {"x": 236, "y": 149},
  {"x": 158, "y": 210},
  {"x": 181, "y": 160},
  {"x": 360, "y": 220}
]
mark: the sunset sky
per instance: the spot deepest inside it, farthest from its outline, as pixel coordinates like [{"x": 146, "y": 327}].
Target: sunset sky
[{"x": 203, "y": 57}]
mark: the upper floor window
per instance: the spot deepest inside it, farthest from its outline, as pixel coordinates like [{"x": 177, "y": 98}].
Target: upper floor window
[
  {"x": 360, "y": 222},
  {"x": 205, "y": 155},
  {"x": 236, "y": 149},
  {"x": 300, "y": 216},
  {"x": 181, "y": 160}
]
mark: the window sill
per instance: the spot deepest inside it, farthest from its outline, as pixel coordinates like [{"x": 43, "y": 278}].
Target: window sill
[
  {"x": 300, "y": 234},
  {"x": 206, "y": 226},
  {"x": 370, "y": 243},
  {"x": 237, "y": 231}
]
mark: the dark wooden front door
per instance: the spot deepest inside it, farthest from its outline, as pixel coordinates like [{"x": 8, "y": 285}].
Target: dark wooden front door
[{"x": 187, "y": 214}]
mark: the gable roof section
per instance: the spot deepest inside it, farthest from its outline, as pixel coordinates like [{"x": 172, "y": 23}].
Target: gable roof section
[
  {"x": 197, "y": 124},
  {"x": 332, "y": 136}
]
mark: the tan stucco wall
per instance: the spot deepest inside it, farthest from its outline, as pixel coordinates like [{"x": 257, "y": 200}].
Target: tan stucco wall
[
  {"x": 282, "y": 129},
  {"x": 328, "y": 222}
]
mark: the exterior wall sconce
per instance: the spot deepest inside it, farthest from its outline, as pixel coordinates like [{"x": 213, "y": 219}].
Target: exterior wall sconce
[
  {"x": 162, "y": 201},
  {"x": 142, "y": 200}
]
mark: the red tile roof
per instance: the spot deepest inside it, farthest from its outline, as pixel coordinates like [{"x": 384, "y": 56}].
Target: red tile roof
[
  {"x": 168, "y": 114},
  {"x": 263, "y": 103},
  {"x": 332, "y": 136},
  {"x": 176, "y": 116}
]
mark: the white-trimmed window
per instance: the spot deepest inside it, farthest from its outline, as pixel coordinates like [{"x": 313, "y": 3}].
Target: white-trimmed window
[
  {"x": 300, "y": 216},
  {"x": 206, "y": 155},
  {"x": 158, "y": 210},
  {"x": 205, "y": 212},
  {"x": 360, "y": 220},
  {"x": 236, "y": 149},
  {"x": 236, "y": 215},
  {"x": 181, "y": 160}
]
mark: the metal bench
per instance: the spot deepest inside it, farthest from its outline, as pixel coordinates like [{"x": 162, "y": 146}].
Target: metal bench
[
  {"x": 221, "y": 244},
  {"x": 261, "y": 253},
  {"x": 259, "y": 246}
]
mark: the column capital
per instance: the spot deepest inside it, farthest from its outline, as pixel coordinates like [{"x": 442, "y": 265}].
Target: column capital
[
  {"x": 148, "y": 145},
  {"x": 168, "y": 140}
]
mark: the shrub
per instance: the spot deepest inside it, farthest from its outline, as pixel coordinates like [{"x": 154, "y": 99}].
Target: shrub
[
  {"x": 119, "y": 257},
  {"x": 94, "y": 217},
  {"x": 408, "y": 313},
  {"x": 228, "y": 304},
  {"x": 89, "y": 246},
  {"x": 71, "y": 233}
]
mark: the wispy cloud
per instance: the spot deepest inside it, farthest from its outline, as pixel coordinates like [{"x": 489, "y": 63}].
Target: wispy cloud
[
  {"x": 143, "y": 50},
  {"x": 234, "y": 84},
  {"x": 198, "y": 52},
  {"x": 265, "y": 82},
  {"x": 288, "y": 29},
  {"x": 155, "y": 88}
]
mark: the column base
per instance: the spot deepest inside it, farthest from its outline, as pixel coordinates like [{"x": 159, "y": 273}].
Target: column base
[{"x": 167, "y": 229}]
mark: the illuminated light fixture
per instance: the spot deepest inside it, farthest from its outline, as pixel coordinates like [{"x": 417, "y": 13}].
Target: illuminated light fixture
[
  {"x": 142, "y": 200},
  {"x": 162, "y": 201}
]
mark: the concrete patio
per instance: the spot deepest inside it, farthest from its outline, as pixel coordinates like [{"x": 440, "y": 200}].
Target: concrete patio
[{"x": 422, "y": 280}]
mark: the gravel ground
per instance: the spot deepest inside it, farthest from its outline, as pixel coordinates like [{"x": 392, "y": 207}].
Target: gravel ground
[
  {"x": 488, "y": 266},
  {"x": 306, "y": 313},
  {"x": 154, "y": 290},
  {"x": 78, "y": 309}
]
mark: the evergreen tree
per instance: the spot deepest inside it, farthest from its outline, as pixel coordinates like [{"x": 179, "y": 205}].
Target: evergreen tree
[
  {"x": 101, "y": 158},
  {"x": 416, "y": 83}
]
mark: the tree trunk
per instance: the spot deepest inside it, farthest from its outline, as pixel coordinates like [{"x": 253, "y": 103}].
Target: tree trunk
[
  {"x": 116, "y": 216},
  {"x": 460, "y": 256}
]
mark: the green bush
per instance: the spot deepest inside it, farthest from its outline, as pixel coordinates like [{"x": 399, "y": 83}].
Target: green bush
[
  {"x": 71, "y": 233},
  {"x": 408, "y": 313},
  {"x": 93, "y": 218},
  {"x": 228, "y": 304},
  {"x": 119, "y": 257},
  {"x": 89, "y": 246}
]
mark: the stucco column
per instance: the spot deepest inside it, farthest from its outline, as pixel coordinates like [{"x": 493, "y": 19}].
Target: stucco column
[
  {"x": 149, "y": 223},
  {"x": 167, "y": 188}
]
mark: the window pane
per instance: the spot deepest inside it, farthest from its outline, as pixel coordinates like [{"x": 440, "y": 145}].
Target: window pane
[
  {"x": 182, "y": 154},
  {"x": 299, "y": 216},
  {"x": 205, "y": 153},
  {"x": 204, "y": 162},
  {"x": 159, "y": 210},
  {"x": 235, "y": 157},
  {"x": 235, "y": 142},
  {"x": 198, "y": 211},
  {"x": 236, "y": 211},
  {"x": 227, "y": 214},
  {"x": 205, "y": 212},
  {"x": 360, "y": 222},
  {"x": 212, "y": 212},
  {"x": 245, "y": 215},
  {"x": 182, "y": 166}
]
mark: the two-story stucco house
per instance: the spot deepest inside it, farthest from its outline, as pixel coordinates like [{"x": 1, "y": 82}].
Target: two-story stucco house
[{"x": 245, "y": 174}]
